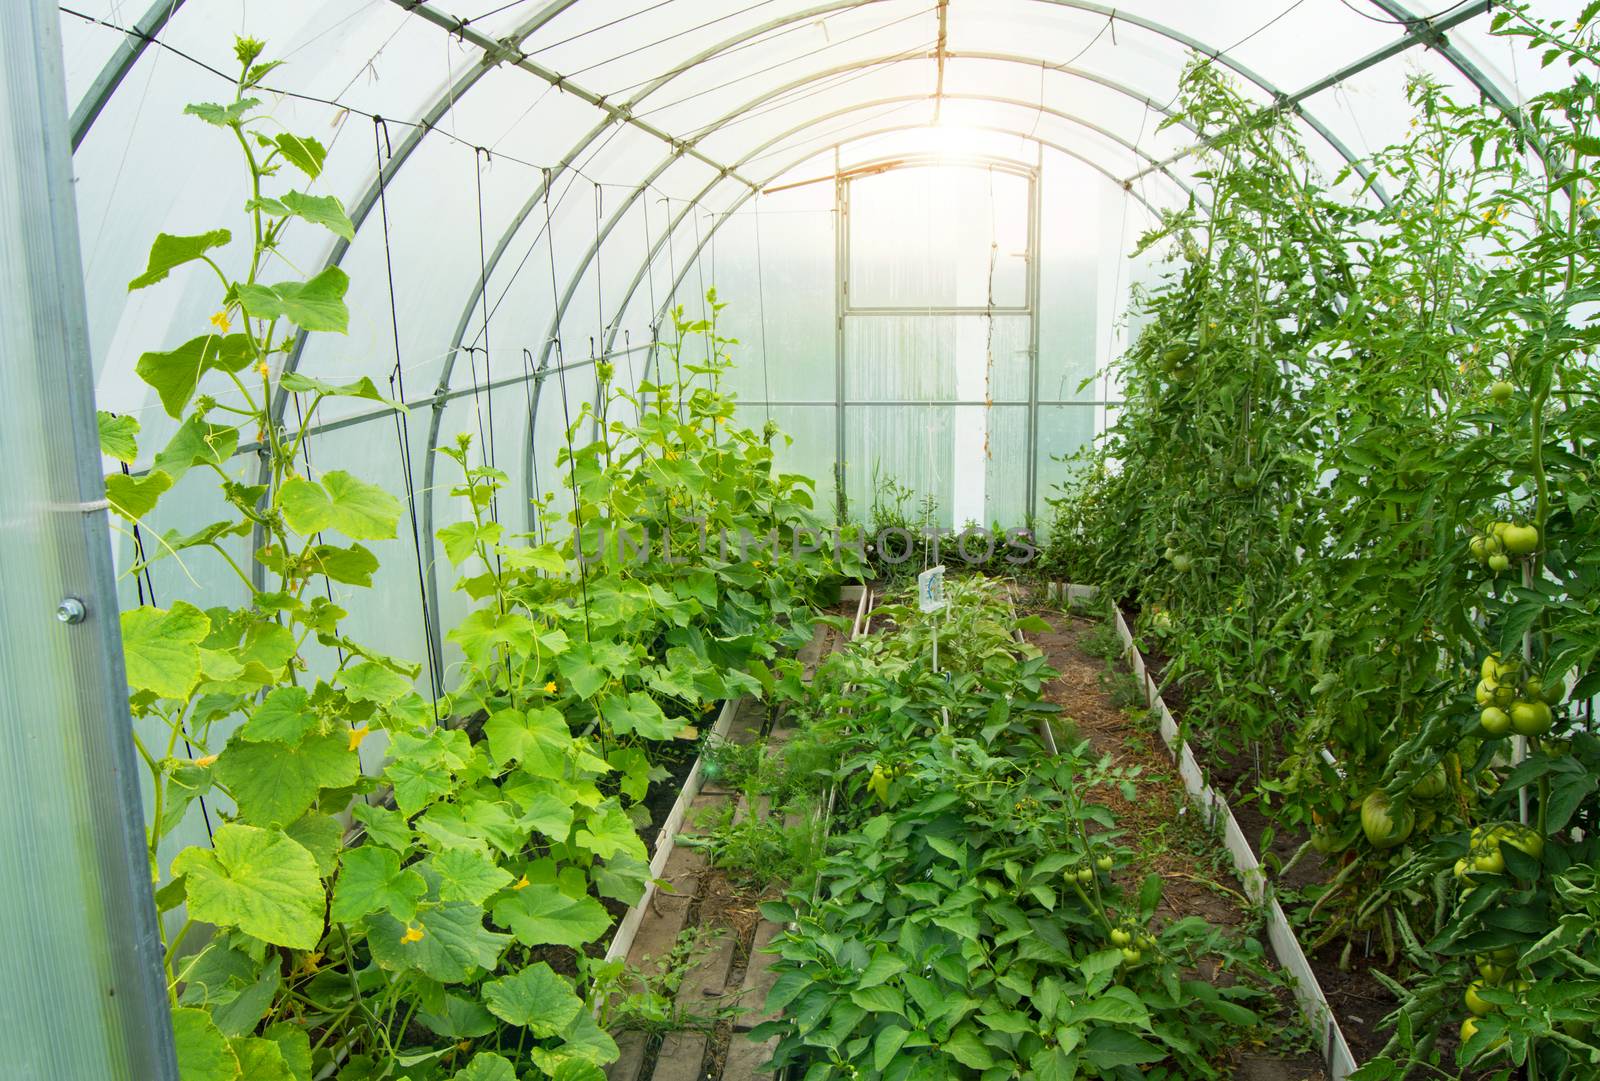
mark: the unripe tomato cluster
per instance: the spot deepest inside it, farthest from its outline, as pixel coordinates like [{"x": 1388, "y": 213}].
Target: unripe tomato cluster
[
  {"x": 1496, "y": 546},
  {"x": 1511, "y": 702}
]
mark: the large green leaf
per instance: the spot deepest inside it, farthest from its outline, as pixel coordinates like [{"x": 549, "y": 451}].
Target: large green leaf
[
  {"x": 454, "y": 945},
  {"x": 260, "y": 881},
  {"x": 1107, "y": 1048},
  {"x": 224, "y": 116},
  {"x": 468, "y": 874},
  {"x": 196, "y": 442},
  {"x": 538, "y": 738},
  {"x": 284, "y": 716},
  {"x": 275, "y": 783},
  {"x": 534, "y": 998},
  {"x": 117, "y": 435},
  {"x": 355, "y": 508},
  {"x": 260, "y": 1059},
  {"x": 170, "y": 252},
  {"x": 487, "y": 1066},
  {"x": 637, "y": 714},
  {"x": 317, "y": 304},
  {"x": 304, "y": 152},
  {"x": 295, "y": 1045},
  {"x": 541, "y": 915},
  {"x": 176, "y": 374},
  {"x": 361, "y": 388},
  {"x": 372, "y": 880},
  {"x": 372, "y": 682},
  {"x": 608, "y": 832},
  {"x": 203, "y": 1051},
  {"x": 461, "y": 539},
  {"x": 323, "y": 210},
  {"x": 161, "y": 649},
  {"x": 134, "y": 497}
]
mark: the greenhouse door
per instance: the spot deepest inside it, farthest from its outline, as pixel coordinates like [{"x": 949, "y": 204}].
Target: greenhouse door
[{"x": 937, "y": 340}]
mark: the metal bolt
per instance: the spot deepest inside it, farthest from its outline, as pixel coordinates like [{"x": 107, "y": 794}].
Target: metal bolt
[{"x": 71, "y": 610}]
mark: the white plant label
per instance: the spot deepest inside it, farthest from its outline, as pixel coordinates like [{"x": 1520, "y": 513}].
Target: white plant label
[{"x": 930, "y": 589}]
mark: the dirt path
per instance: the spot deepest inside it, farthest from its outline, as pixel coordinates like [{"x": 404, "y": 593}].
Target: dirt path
[{"x": 1160, "y": 823}]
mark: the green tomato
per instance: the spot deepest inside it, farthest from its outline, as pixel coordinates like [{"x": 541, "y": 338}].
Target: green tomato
[
  {"x": 1475, "y": 1001},
  {"x": 1531, "y": 718},
  {"x": 1489, "y": 862},
  {"x": 1494, "y": 721},
  {"x": 1182, "y": 563},
  {"x": 1105, "y": 863},
  {"x": 1520, "y": 540},
  {"x": 1501, "y": 392},
  {"x": 1085, "y": 876},
  {"x": 1385, "y": 824},
  {"x": 1120, "y": 937},
  {"x": 1433, "y": 784},
  {"x": 1479, "y": 552},
  {"x": 1498, "y": 562},
  {"x": 1131, "y": 956}
]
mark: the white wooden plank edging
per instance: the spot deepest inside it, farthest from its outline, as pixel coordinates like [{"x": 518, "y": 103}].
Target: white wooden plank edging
[
  {"x": 666, "y": 839},
  {"x": 1285, "y": 945}
]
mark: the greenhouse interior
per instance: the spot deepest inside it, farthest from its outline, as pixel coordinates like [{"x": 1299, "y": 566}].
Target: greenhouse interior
[{"x": 704, "y": 540}]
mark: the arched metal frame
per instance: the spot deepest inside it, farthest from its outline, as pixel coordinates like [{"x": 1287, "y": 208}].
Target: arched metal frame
[{"x": 508, "y": 49}]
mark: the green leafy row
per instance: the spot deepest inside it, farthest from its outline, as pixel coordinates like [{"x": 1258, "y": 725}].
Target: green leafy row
[
  {"x": 966, "y": 921},
  {"x": 1352, "y": 503},
  {"x": 440, "y": 913}
]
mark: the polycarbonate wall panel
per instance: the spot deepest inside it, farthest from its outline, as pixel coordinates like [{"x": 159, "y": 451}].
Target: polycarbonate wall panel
[
  {"x": 1063, "y": 431},
  {"x": 939, "y": 237},
  {"x": 913, "y": 358},
  {"x": 780, "y": 308}
]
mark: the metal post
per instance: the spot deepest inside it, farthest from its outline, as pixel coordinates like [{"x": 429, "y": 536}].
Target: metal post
[
  {"x": 1030, "y": 511},
  {"x": 81, "y": 971},
  {"x": 841, "y": 298}
]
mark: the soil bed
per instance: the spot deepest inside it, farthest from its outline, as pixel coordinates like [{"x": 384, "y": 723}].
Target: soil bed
[{"x": 1161, "y": 823}]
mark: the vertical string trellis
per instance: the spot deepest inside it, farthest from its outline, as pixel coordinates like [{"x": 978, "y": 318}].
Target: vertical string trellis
[
  {"x": 650, "y": 284},
  {"x": 397, "y": 390},
  {"x": 599, "y": 359},
  {"x": 530, "y": 378},
  {"x": 486, "y": 402},
  {"x": 761, "y": 310},
  {"x": 145, "y": 586},
  {"x": 566, "y": 414}
]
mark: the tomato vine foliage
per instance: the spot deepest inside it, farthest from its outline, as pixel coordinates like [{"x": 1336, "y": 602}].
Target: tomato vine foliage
[
  {"x": 1376, "y": 555},
  {"x": 967, "y": 923},
  {"x": 439, "y": 918}
]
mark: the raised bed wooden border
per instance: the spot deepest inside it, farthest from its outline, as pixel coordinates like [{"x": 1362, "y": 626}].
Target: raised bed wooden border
[{"x": 666, "y": 839}]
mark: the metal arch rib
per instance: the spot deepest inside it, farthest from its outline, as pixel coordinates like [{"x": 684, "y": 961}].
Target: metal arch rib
[
  {"x": 116, "y": 69},
  {"x": 362, "y": 208},
  {"x": 1466, "y": 67},
  {"x": 744, "y": 197},
  {"x": 520, "y": 218}
]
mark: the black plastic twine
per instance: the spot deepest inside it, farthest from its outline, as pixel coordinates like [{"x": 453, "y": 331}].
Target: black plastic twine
[
  {"x": 530, "y": 376},
  {"x": 146, "y": 587},
  {"x": 488, "y": 378},
  {"x": 600, "y": 395},
  {"x": 397, "y": 390},
  {"x": 566, "y": 413}
]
